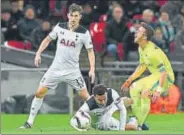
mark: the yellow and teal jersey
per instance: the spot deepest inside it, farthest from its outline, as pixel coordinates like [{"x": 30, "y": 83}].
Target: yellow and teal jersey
[{"x": 155, "y": 60}]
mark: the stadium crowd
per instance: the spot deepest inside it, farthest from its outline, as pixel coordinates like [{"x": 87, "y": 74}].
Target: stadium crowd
[{"x": 112, "y": 24}]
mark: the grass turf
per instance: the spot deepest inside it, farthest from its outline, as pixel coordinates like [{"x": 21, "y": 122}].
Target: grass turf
[{"x": 59, "y": 124}]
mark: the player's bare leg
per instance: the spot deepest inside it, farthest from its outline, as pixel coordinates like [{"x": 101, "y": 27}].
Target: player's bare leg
[
  {"x": 83, "y": 93},
  {"x": 35, "y": 106}
]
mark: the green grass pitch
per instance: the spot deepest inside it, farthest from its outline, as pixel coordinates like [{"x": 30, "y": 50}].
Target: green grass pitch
[{"x": 59, "y": 124}]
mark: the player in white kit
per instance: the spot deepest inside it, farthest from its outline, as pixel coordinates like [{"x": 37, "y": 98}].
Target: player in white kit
[
  {"x": 102, "y": 104},
  {"x": 65, "y": 67}
]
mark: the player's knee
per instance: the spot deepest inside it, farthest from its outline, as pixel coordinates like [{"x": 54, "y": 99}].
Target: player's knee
[
  {"x": 41, "y": 92},
  {"x": 84, "y": 94}
]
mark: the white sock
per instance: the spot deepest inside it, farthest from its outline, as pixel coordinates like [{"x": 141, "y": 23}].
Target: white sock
[{"x": 35, "y": 107}]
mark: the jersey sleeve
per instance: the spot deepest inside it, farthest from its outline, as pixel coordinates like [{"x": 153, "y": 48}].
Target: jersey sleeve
[
  {"x": 157, "y": 61},
  {"x": 87, "y": 40},
  {"x": 84, "y": 108},
  {"x": 115, "y": 95},
  {"x": 123, "y": 117},
  {"x": 123, "y": 112},
  {"x": 53, "y": 34}
]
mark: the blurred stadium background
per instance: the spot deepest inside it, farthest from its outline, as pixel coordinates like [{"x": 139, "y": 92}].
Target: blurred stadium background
[{"x": 26, "y": 22}]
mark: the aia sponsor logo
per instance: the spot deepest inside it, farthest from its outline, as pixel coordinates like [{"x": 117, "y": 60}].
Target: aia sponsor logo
[{"x": 67, "y": 43}]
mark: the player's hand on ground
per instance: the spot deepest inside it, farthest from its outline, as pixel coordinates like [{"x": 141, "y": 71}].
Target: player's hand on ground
[
  {"x": 126, "y": 84},
  {"x": 92, "y": 76},
  {"x": 37, "y": 60},
  {"x": 156, "y": 95}
]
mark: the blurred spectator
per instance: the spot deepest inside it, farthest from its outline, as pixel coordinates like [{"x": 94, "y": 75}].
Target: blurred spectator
[
  {"x": 57, "y": 11},
  {"x": 39, "y": 34},
  {"x": 129, "y": 43},
  {"x": 147, "y": 17},
  {"x": 132, "y": 7},
  {"x": 180, "y": 39},
  {"x": 8, "y": 26},
  {"x": 111, "y": 4},
  {"x": 21, "y": 5},
  {"x": 152, "y": 5},
  {"x": 166, "y": 27},
  {"x": 41, "y": 7},
  {"x": 6, "y": 5},
  {"x": 28, "y": 23},
  {"x": 158, "y": 39},
  {"x": 173, "y": 8},
  {"x": 179, "y": 25},
  {"x": 58, "y": 8},
  {"x": 87, "y": 15},
  {"x": 115, "y": 31},
  {"x": 2, "y": 38},
  {"x": 101, "y": 7},
  {"x": 178, "y": 21},
  {"x": 16, "y": 13}
]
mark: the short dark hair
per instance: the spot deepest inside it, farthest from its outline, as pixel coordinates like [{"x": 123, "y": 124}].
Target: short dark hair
[
  {"x": 75, "y": 8},
  {"x": 99, "y": 89},
  {"x": 149, "y": 30}
]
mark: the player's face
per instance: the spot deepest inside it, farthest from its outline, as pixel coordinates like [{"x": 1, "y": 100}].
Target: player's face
[
  {"x": 74, "y": 18},
  {"x": 139, "y": 35},
  {"x": 101, "y": 99}
]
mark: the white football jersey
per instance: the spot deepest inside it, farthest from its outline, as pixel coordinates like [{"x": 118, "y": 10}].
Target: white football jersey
[
  {"x": 91, "y": 106},
  {"x": 69, "y": 45}
]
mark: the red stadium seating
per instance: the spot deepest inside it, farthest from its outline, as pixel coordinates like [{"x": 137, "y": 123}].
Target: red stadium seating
[
  {"x": 52, "y": 7},
  {"x": 161, "y": 2},
  {"x": 97, "y": 30},
  {"x": 98, "y": 35},
  {"x": 18, "y": 45},
  {"x": 129, "y": 24},
  {"x": 103, "y": 18},
  {"x": 172, "y": 46},
  {"x": 120, "y": 51}
]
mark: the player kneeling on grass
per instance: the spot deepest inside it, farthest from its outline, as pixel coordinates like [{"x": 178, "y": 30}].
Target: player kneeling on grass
[
  {"x": 157, "y": 83},
  {"x": 102, "y": 104}
]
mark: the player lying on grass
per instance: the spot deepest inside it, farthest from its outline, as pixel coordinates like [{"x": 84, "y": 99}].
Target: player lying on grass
[
  {"x": 102, "y": 104},
  {"x": 71, "y": 37},
  {"x": 161, "y": 78}
]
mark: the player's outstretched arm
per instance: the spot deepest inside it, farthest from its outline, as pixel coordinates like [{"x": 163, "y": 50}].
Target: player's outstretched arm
[
  {"x": 91, "y": 57},
  {"x": 163, "y": 74},
  {"x": 123, "y": 113},
  {"x": 138, "y": 72},
  {"x": 156, "y": 94},
  {"x": 42, "y": 47}
]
